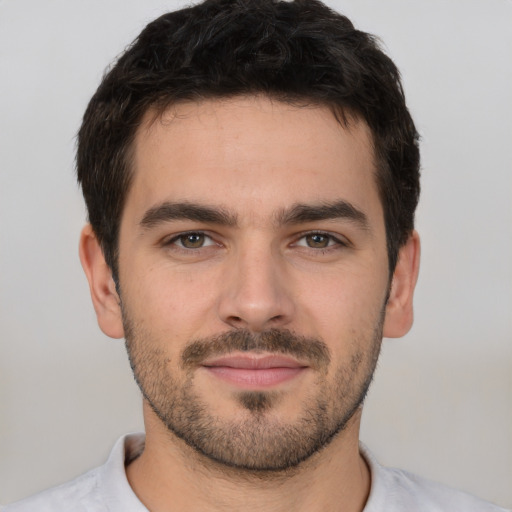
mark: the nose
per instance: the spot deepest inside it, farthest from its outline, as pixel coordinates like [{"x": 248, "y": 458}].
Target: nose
[{"x": 256, "y": 292}]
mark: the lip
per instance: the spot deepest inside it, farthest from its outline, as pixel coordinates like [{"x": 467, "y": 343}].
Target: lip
[{"x": 254, "y": 371}]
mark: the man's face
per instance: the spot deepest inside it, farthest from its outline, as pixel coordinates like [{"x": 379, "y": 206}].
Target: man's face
[{"x": 253, "y": 276}]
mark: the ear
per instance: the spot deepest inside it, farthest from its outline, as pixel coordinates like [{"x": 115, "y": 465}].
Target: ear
[
  {"x": 103, "y": 290},
  {"x": 399, "y": 310}
]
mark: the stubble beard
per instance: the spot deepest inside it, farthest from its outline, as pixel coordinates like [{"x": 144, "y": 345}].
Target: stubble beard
[{"x": 256, "y": 441}]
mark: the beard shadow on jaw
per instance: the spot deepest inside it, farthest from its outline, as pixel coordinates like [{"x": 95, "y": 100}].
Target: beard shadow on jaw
[{"x": 256, "y": 444}]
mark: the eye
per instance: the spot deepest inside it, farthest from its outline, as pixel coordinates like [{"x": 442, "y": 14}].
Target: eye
[
  {"x": 318, "y": 241},
  {"x": 195, "y": 240}
]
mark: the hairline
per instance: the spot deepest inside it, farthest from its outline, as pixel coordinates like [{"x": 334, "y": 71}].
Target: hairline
[{"x": 155, "y": 110}]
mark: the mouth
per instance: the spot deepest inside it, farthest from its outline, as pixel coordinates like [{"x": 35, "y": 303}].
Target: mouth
[{"x": 254, "y": 371}]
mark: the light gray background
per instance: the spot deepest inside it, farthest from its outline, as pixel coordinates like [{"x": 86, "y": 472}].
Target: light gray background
[{"x": 441, "y": 404}]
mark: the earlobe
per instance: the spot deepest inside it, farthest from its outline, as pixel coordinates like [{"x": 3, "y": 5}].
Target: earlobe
[
  {"x": 399, "y": 308},
  {"x": 102, "y": 287}
]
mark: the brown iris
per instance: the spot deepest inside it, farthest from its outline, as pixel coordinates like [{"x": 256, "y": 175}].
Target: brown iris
[
  {"x": 317, "y": 241},
  {"x": 192, "y": 240}
]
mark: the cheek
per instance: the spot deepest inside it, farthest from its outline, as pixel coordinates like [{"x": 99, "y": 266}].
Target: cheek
[
  {"x": 343, "y": 295},
  {"x": 343, "y": 309},
  {"x": 170, "y": 300}
]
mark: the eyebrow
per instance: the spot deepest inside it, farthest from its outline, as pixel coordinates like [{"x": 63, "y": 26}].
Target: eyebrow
[
  {"x": 297, "y": 214},
  {"x": 302, "y": 213},
  {"x": 169, "y": 211}
]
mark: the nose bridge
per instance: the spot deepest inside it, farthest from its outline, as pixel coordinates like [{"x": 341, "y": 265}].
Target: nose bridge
[{"x": 255, "y": 295}]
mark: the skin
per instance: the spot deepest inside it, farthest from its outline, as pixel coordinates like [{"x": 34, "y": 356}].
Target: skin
[{"x": 254, "y": 159}]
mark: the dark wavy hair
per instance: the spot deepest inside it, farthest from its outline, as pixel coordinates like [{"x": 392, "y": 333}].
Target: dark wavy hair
[{"x": 299, "y": 52}]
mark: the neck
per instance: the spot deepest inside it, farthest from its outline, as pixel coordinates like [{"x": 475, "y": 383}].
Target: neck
[{"x": 169, "y": 475}]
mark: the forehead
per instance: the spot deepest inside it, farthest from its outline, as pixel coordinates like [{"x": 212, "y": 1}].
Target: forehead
[{"x": 251, "y": 152}]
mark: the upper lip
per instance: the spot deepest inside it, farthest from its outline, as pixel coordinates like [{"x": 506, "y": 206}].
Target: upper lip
[{"x": 254, "y": 361}]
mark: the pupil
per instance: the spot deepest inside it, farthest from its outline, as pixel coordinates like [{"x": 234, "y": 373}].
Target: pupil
[
  {"x": 318, "y": 241},
  {"x": 193, "y": 240}
]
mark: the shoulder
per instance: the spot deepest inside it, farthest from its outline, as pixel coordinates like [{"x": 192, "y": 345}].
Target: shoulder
[
  {"x": 103, "y": 489},
  {"x": 396, "y": 490},
  {"x": 411, "y": 492},
  {"x": 78, "y": 495}
]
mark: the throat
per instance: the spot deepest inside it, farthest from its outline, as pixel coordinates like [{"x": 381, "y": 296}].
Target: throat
[{"x": 174, "y": 473}]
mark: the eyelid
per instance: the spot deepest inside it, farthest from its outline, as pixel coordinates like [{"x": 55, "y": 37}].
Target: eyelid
[
  {"x": 334, "y": 239},
  {"x": 339, "y": 240},
  {"x": 174, "y": 238}
]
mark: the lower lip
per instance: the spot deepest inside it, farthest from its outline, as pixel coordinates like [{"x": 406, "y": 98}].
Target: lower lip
[{"x": 255, "y": 378}]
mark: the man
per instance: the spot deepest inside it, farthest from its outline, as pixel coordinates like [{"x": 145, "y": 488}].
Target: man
[{"x": 251, "y": 173}]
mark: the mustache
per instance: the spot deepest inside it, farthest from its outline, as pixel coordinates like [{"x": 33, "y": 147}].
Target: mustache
[{"x": 281, "y": 341}]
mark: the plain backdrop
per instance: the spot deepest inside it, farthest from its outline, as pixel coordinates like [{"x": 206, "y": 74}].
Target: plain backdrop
[{"x": 441, "y": 403}]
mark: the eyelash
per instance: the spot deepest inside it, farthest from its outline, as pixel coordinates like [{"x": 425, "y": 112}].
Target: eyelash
[
  {"x": 334, "y": 242},
  {"x": 172, "y": 241}
]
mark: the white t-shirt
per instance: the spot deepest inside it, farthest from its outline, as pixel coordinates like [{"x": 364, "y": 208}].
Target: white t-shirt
[{"x": 106, "y": 489}]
